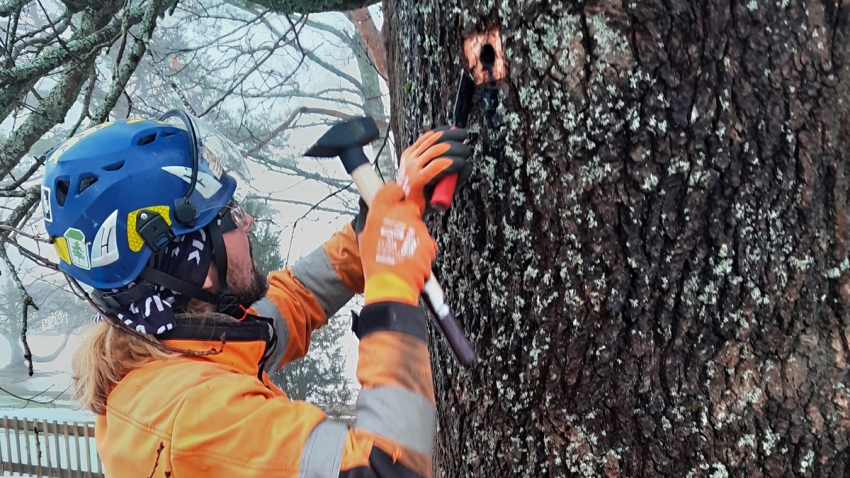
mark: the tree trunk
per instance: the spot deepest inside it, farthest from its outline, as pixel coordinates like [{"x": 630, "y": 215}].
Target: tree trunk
[
  {"x": 651, "y": 257},
  {"x": 370, "y": 92}
]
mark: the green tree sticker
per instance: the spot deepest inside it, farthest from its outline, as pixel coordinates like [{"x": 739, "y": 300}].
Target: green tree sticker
[{"x": 77, "y": 246}]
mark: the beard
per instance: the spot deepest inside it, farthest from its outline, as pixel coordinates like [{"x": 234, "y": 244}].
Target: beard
[
  {"x": 252, "y": 291},
  {"x": 252, "y": 285}
]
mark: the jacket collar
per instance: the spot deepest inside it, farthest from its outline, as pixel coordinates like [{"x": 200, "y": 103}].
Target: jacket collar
[{"x": 244, "y": 345}]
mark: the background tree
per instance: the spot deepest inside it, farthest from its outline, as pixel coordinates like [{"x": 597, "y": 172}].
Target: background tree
[
  {"x": 652, "y": 255},
  {"x": 59, "y": 313}
]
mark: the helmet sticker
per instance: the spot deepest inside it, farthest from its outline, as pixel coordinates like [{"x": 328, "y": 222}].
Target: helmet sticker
[
  {"x": 212, "y": 160},
  {"x": 61, "y": 247},
  {"x": 77, "y": 246},
  {"x": 54, "y": 157},
  {"x": 206, "y": 185},
  {"x": 104, "y": 249},
  {"x": 133, "y": 238},
  {"x": 46, "y": 212}
]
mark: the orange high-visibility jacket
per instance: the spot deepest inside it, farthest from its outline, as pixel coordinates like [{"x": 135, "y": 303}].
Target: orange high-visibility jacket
[{"x": 220, "y": 415}]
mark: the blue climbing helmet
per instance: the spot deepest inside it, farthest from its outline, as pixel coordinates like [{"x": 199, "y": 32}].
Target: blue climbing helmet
[{"x": 115, "y": 194}]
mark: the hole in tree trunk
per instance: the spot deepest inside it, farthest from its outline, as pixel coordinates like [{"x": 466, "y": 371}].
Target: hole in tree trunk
[
  {"x": 487, "y": 56},
  {"x": 484, "y": 56}
]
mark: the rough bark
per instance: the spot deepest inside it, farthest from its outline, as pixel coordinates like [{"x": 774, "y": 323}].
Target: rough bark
[{"x": 651, "y": 257}]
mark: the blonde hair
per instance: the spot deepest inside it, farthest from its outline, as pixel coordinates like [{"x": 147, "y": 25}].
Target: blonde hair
[{"x": 105, "y": 357}]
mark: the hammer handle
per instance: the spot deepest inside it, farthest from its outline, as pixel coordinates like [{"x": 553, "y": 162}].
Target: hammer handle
[
  {"x": 441, "y": 199},
  {"x": 368, "y": 183}
]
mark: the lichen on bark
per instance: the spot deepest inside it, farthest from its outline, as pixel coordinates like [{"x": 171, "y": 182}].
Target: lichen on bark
[{"x": 651, "y": 256}]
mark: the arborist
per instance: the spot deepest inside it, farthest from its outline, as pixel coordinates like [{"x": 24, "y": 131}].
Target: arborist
[{"x": 146, "y": 213}]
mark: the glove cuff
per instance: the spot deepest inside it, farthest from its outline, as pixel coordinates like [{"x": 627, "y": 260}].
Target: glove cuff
[
  {"x": 389, "y": 317},
  {"x": 388, "y": 287}
]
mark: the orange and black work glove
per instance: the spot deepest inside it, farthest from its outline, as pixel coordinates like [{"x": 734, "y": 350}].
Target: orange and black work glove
[
  {"x": 395, "y": 248},
  {"x": 435, "y": 154}
]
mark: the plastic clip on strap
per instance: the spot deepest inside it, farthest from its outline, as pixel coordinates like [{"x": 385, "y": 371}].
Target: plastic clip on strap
[{"x": 153, "y": 229}]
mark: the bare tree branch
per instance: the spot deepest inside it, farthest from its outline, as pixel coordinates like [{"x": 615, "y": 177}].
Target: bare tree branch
[
  {"x": 251, "y": 70},
  {"x": 313, "y": 6},
  {"x": 27, "y": 303},
  {"x": 52, "y": 110},
  {"x": 295, "y": 224},
  {"x": 11, "y": 7},
  {"x": 155, "y": 8},
  {"x": 362, "y": 19},
  {"x": 336, "y": 71},
  {"x": 56, "y": 33},
  {"x": 171, "y": 83},
  {"x": 350, "y": 42},
  {"x": 35, "y": 257},
  {"x": 9, "y": 97},
  {"x": 27, "y": 235},
  {"x": 84, "y": 45},
  {"x": 313, "y": 206},
  {"x": 286, "y": 123},
  {"x": 10, "y": 37},
  {"x": 58, "y": 27},
  {"x": 86, "y": 100},
  {"x": 32, "y": 399},
  {"x": 297, "y": 92},
  {"x": 13, "y": 194},
  {"x": 338, "y": 114},
  {"x": 24, "y": 177},
  {"x": 22, "y": 211}
]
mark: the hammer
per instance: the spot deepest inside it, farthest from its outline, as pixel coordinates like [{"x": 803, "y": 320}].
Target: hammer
[{"x": 346, "y": 140}]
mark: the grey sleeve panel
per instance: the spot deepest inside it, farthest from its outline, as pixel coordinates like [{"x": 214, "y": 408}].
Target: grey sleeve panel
[
  {"x": 266, "y": 308},
  {"x": 398, "y": 414},
  {"x": 317, "y": 274},
  {"x": 322, "y": 453}
]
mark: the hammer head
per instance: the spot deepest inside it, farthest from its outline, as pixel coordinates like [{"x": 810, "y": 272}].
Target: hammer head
[{"x": 346, "y": 140}]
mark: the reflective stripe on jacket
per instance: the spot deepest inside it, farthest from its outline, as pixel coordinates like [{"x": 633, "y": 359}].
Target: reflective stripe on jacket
[{"x": 220, "y": 415}]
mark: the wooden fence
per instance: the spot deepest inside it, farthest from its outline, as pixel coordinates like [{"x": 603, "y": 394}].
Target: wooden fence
[{"x": 48, "y": 449}]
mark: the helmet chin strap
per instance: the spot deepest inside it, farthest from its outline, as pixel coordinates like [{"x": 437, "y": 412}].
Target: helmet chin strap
[
  {"x": 225, "y": 301},
  {"x": 228, "y": 302}
]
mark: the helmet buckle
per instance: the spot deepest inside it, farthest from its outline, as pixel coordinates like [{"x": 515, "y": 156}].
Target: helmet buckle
[{"x": 153, "y": 229}]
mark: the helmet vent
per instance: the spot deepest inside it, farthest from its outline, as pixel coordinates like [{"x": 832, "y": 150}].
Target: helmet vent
[
  {"x": 147, "y": 139},
  {"x": 85, "y": 182},
  {"x": 114, "y": 166},
  {"x": 166, "y": 134},
  {"x": 62, "y": 187}
]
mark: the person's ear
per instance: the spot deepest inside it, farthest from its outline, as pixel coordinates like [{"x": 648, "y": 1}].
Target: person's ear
[{"x": 211, "y": 282}]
